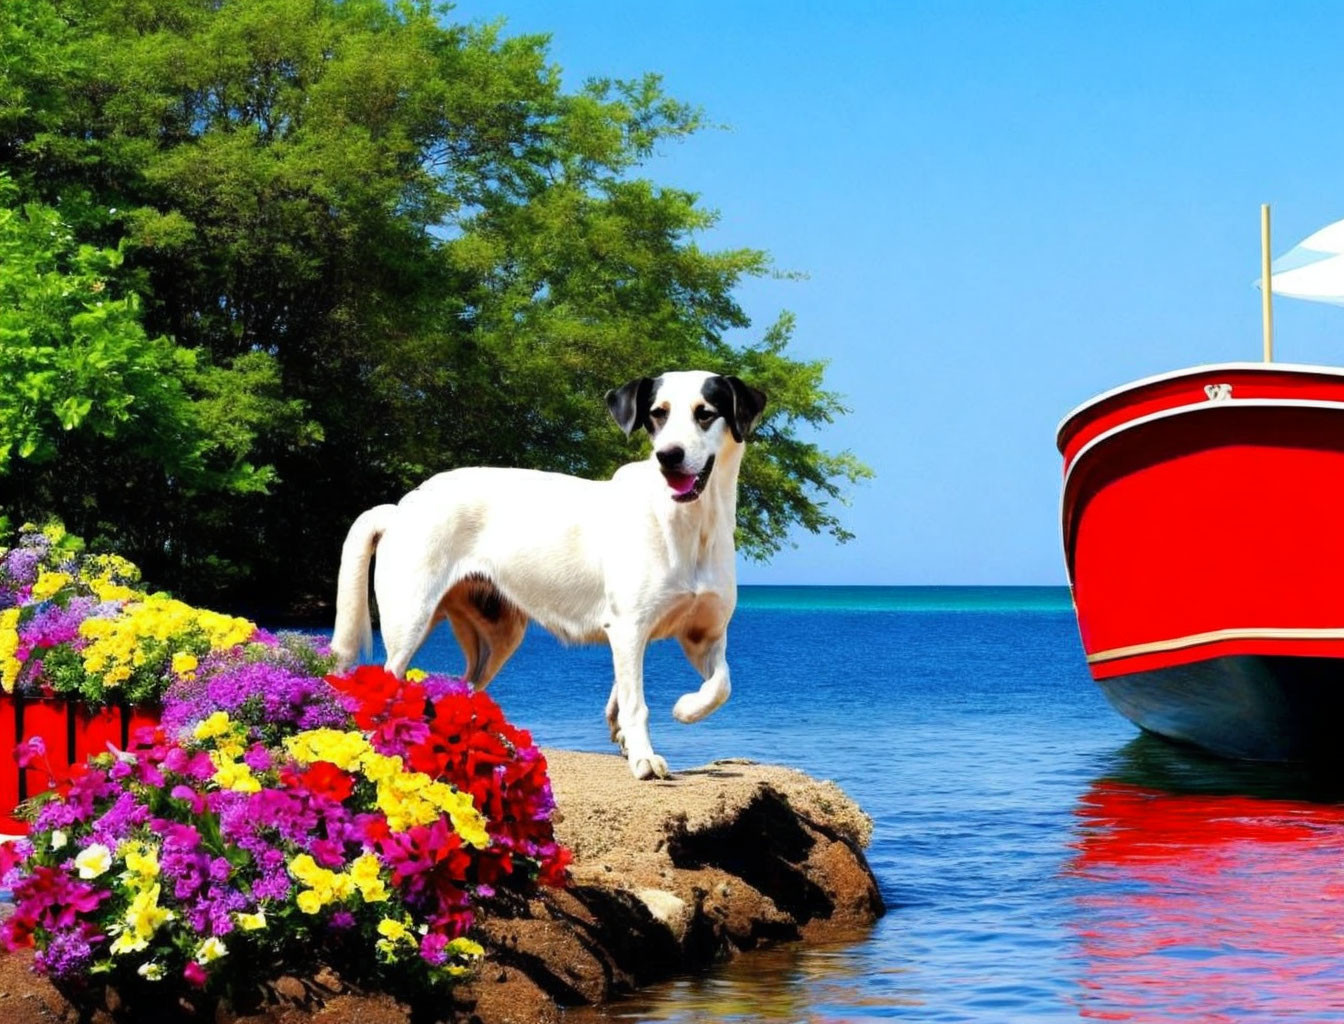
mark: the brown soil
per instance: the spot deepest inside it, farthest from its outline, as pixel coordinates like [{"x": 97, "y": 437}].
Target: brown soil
[{"x": 668, "y": 877}]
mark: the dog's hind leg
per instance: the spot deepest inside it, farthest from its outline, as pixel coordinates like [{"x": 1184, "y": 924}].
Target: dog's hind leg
[
  {"x": 710, "y": 657},
  {"x": 502, "y": 636},
  {"x": 487, "y": 626},
  {"x": 406, "y": 619}
]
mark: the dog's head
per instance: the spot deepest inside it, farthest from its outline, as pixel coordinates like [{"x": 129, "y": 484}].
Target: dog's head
[{"x": 691, "y": 416}]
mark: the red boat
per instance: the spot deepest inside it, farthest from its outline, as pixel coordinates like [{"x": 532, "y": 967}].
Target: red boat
[{"x": 1203, "y": 520}]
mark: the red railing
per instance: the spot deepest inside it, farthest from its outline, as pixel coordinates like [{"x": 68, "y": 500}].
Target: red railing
[{"x": 71, "y": 733}]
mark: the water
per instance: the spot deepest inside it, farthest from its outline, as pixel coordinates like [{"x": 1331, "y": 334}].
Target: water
[{"x": 1041, "y": 861}]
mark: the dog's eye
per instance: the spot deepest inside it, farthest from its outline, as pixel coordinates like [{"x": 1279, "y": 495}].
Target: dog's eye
[
  {"x": 658, "y": 415},
  {"x": 705, "y": 415}
]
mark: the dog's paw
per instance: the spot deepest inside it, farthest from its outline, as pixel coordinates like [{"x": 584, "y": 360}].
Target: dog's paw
[
  {"x": 690, "y": 707},
  {"x": 649, "y": 767}
]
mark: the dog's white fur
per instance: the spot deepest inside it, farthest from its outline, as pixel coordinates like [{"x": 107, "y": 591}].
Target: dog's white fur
[{"x": 622, "y": 560}]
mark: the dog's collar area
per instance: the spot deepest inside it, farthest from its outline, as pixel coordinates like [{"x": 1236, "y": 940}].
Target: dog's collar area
[{"x": 683, "y": 492}]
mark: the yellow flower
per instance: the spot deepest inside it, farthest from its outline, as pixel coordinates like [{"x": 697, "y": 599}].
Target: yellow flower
[
  {"x": 93, "y": 860},
  {"x": 407, "y": 798},
  {"x": 466, "y": 949},
  {"x": 250, "y": 922},
  {"x": 416, "y": 675},
  {"x": 150, "y": 971},
  {"x": 215, "y": 725},
  {"x": 9, "y": 645},
  {"x": 50, "y": 583},
  {"x": 343, "y": 749},
  {"x": 143, "y": 918},
  {"x": 209, "y": 950},
  {"x": 54, "y": 532},
  {"x": 365, "y": 872},
  {"x": 142, "y": 860},
  {"x": 323, "y": 886},
  {"x": 395, "y": 935},
  {"x": 236, "y": 776},
  {"x": 105, "y": 591},
  {"x": 184, "y": 664}
]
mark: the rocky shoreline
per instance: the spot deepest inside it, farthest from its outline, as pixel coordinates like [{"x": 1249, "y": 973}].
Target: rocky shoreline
[{"x": 669, "y": 877}]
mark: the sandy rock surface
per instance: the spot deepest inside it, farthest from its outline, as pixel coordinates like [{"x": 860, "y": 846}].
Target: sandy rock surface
[{"x": 668, "y": 876}]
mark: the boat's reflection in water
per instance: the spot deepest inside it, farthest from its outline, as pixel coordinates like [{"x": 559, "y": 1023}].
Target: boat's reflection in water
[{"x": 1213, "y": 890}]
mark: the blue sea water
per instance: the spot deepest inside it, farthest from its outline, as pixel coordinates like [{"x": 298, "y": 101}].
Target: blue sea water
[{"x": 1041, "y": 861}]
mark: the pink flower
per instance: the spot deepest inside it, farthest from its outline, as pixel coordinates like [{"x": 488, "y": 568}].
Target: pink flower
[{"x": 29, "y": 751}]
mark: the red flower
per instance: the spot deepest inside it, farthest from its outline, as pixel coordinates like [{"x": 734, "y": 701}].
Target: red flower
[
  {"x": 322, "y": 778},
  {"x": 468, "y": 743}
]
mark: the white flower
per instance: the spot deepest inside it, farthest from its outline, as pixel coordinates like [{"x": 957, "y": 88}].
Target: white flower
[
  {"x": 93, "y": 860},
  {"x": 210, "y": 949},
  {"x": 58, "y": 839},
  {"x": 151, "y": 971}
]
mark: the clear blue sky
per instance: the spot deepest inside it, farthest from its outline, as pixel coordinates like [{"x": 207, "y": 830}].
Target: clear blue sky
[{"x": 1003, "y": 208}]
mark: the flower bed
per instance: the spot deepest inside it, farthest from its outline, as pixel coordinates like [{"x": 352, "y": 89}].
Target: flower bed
[
  {"x": 74, "y": 626},
  {"x": 275, "y": 817}
]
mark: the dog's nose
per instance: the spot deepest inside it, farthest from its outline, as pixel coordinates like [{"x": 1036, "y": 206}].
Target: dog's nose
[{"x": 671, "y": 457}]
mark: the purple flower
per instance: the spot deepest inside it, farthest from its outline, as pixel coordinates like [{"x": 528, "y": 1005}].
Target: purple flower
[
  {"x": 52, "y": 624},
  {"x": 21, "y": 565},
  {"x": 69, "y": 954},
  {"x": 258, "y": 693},
  {"x": 258, "y": 758},
  {"x": 439, "y": 687},
  {"x": 119, "y": 820}
]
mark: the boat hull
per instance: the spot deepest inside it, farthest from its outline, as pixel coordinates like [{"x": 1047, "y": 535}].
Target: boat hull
[
  {"x": 1250, "y": 707},
  {"x": 1203, "y": 525}
]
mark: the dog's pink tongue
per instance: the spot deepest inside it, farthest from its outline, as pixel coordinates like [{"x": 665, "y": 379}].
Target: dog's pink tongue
[{"x": 681, "y": 483}]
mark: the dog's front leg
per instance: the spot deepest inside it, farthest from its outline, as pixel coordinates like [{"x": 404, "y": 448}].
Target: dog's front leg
[
  {"x": 632, "y": 714},
  {"x": 710, "y": 657}
]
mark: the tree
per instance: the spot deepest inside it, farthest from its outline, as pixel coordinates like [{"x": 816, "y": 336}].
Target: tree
[
  {"x": 448, "y": 257},
  {"x": 96, "y": 418}
]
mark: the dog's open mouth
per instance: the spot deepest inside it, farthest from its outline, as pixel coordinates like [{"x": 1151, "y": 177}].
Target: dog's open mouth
[{"x": 687, "y": 486}]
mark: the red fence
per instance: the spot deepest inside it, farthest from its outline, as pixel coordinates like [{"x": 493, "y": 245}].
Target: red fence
[{"x": 71, "y": 732}]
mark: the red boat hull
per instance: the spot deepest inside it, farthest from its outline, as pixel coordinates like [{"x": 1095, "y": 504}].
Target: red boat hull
[{"x": 1203, "y": 520}]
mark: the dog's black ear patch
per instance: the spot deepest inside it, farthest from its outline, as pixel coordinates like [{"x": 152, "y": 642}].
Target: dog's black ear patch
[
  {"x": 740, "y": 403},
  {"x": 629, "y": 404}
]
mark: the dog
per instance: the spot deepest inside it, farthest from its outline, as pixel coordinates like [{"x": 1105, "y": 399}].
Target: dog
[{"x": 645, "y": 555}]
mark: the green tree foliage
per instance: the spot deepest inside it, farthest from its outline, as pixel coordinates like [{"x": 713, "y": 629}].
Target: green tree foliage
[
  {"x": 98, "y": 418},
  {"x": 401, "y": 245}
]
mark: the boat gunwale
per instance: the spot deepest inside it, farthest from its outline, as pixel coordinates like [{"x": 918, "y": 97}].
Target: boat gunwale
[{"x": 1190, "y": 371}]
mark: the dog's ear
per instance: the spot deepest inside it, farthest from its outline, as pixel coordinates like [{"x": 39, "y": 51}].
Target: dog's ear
[
  {"x": 747, "y": 405},
  {"x": 629, "y": 404}
]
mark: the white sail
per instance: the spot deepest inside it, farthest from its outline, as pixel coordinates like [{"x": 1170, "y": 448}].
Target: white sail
[{"x": 1313, "y": 269}]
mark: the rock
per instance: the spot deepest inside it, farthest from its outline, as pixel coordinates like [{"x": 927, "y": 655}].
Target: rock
[{"x": 669, "y": 876}]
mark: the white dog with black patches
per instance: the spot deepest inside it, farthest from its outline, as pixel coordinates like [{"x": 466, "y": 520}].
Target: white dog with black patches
[{"x": 645, "y": 555}]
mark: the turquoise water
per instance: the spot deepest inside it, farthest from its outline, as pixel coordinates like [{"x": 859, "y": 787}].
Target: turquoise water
[
  {"x": 908, "y": 599},
  {"x": 1041, "y": 861}
]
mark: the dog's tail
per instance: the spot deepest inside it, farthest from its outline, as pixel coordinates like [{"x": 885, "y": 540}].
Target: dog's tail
[{"x": 353, "y": 635}]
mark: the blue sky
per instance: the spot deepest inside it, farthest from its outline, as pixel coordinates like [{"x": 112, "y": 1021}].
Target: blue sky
[{"x": 1002, "y": 209}]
